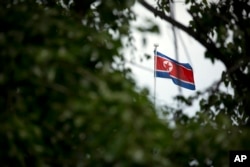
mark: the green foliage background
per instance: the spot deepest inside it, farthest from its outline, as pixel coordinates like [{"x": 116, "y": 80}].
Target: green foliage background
[{"x": 64, "y": 104}]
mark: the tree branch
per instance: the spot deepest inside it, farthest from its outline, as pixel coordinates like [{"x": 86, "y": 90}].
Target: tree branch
[{"x": 208, "y": 44}]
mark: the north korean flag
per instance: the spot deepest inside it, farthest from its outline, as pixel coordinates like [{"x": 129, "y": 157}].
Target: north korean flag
[{"x": 180, "y": 73}]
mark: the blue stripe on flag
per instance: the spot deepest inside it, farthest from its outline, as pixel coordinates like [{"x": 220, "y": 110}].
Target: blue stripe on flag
[{"x": 175, "y": 80}]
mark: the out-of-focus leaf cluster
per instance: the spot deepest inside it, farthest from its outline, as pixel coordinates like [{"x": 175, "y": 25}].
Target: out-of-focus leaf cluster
[
  {"x": 222, "y": 27},
  {"x": 62, "y": 103},
  {"x": 225, "y": 25}
]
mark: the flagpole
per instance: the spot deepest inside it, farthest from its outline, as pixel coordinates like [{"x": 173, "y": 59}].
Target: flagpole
[{"x": 155, "y": 63}]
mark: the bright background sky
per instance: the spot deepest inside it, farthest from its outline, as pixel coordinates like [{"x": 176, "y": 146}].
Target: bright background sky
[{"x": 205, "y": 73}]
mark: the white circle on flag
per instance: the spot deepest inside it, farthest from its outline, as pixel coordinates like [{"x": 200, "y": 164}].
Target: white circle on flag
[{"x": 168, "y": 66}]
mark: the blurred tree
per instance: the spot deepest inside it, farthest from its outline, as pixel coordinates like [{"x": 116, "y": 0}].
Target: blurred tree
[
  {"x": 62, "y": 101},
  {"x": 223, "y": 28},
  {"x": 64, "y": 104}
]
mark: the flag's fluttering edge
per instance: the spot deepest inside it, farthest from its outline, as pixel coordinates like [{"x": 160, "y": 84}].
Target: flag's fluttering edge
[{"x": 180, "y": 73}]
